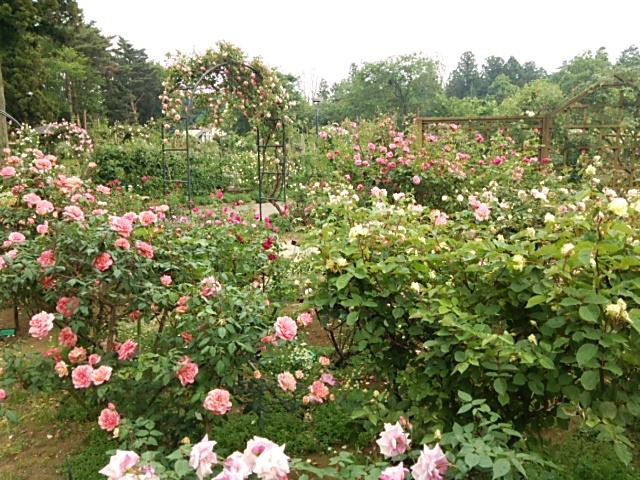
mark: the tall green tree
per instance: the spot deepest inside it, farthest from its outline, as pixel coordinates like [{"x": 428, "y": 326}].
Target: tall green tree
[
  {"x": 399, "y": 86},
  {"x": 464, "y": 81}
]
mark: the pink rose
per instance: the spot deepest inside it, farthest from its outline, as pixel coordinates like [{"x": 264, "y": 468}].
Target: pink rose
[
  {"x": 43, "y": 164},
  {"x": 41, "y": 324},
  {"x": 101, "y": 375},
  {"x": 217, "y": 401},
  {"x": 147, "y": 218},
  {"x": 67, "y": 337},
  {"x": 145, "y": 249},
  {"x": 103, "y": 262},
  {"x": 43, "y": 228},
  {"x": 272, "y": 463},
  {"x": 166, "y": 280},
  {"x": 3, "y": 394},
  {"x": 122, "y": 243},
  {"x": 44, "y": 207},
  {"x": 104, "y": 190},
  {"x": 127, "y": 350},
  {"x": 441, "y": 219},
  {"x": 47, "y": 259},
  {"x": 431, "y": 465},
  {"x": 416, "y": 180},
  {"x": 319, "y": 391},
  {"x": 121, "y": 225},
  {"x": 325, "y": 361},
  {"x": 78, "y": 355},
  {"x": 61, "y": 369},
  {"x": 81, "y": 376},
  {"x": 119, "y": 464},
  {"x": 287, "y": 382},
  {"x": 305, "y": 319},
  {"x": 188, "y": 371},
  {"x": 286, "y": 328},
  {"x": 202, "y": 457},
  {"x": 74, "y": 213},
  {"x": 16, "y": 237},
  {"x": 94, "y": 359},
  {"x": 109, "y": 418},
  {"x": 482, "y": 212},
  {"x": 393, "y": 440},
  {"x": 210, "y": 287},
  {"x": 328, "y": 379},
  {"x": 31, "y": 199},
  {"x": 67, "y": 306},
  {"x": 8, "y": 172},
  {"x": 399, "y": 472}
]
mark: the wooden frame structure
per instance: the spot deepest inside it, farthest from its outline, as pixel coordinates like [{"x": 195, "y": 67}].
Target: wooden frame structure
[{"x": 543, "y": 124}]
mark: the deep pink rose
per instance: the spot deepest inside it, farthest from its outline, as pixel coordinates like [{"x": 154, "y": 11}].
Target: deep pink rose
[
  {"x": 103, "y": 262},
  {"x": 67, "y": 306},
  {"x": 3, "y": 394},
  {"x": 210, "y": 287},
  {"x": 47, "y": 259},
  {"x": 109, "y": 418},
  {"x": 67, "y": 337},
  {"x": 218, "y": 401},
  {"x": 188, "y": 371},
  {"x": 81, "y": 376},
  {"x": 127, "y": 350}
]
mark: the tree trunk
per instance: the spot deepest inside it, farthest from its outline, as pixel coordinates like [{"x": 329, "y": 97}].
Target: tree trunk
[{"x": 4, "y": 136}]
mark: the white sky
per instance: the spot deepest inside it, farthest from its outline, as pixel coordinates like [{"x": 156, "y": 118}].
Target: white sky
[{"x": 321, "y": 39}]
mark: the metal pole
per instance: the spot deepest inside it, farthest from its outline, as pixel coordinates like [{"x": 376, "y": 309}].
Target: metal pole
[
  {"x": 284, "y": 162},
  {"x": 189, "y": 190},
  {"x": 317, "y": 119},
  {"x": 259, "y": 173}
]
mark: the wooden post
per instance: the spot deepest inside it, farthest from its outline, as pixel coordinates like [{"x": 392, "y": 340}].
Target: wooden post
[
  {"x": 545, "y": 148},
  {"x": 4, "y": 133}
]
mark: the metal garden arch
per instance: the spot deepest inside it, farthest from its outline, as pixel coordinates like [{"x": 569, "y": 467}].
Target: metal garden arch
[{"x": 261, "y": 143}]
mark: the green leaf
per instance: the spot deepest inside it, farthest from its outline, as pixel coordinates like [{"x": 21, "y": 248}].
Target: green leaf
[
  {"x": 500, "y": 386},
  {"x": 501, "y": 467},
  {"x": 589, "y": 313},
  {"x": 182, "y": 467},
  {"x": 586, "y": 353},
  {"x": 464, "y": 396},
  {"x": 623, "y": 453},
  {"x": 222, "y": 332},
  {"x": 343, "y": 280},
  {"x": 536, "y": 300},
  {"x": 590, "y": 379},
  {"x": 471, "y": 459},
  {"x": 608, "y": 410}
]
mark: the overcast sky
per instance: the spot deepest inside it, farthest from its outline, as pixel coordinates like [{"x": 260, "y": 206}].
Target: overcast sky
[{"x": 321, "y": 39}]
